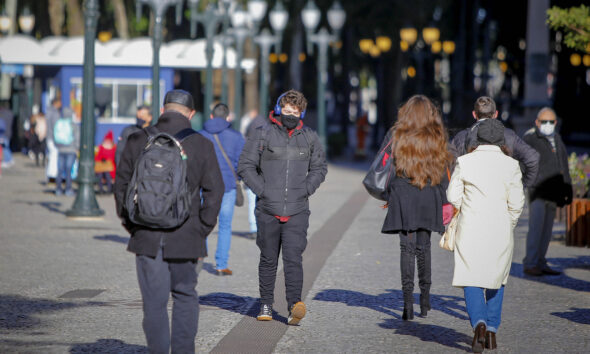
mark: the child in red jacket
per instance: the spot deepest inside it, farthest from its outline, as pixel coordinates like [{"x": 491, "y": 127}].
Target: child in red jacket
[{"x": 104, "y": 166}]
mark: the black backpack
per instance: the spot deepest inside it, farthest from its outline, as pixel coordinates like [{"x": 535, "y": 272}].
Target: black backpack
[{"x": 158, "y": 194}]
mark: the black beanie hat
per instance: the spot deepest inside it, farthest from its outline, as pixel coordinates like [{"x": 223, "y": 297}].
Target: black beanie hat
[
  {"x": 490, "y": 131},
  {"x": 180, "y": 97}
]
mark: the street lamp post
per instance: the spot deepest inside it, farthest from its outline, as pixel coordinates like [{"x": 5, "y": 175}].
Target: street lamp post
[
  {"x": 85, "y": 204},
  {"x": 226, "y": 41},
  {"x": 26, "y": 22},
  {"x": 159, "y": 8},
  {"x": 323, "y": 38},
  {"x": 240, "y": 32},
  {"x": 265, "y": 41},
  {"x": 210, "y": 20}
]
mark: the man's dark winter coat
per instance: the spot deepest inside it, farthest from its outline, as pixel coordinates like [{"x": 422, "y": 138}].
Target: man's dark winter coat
[
  {"x": 232, "y": 142},
  {"x": 284, "y": 169},
  {"x": 553, "y": 182},
  {"x": 519, "y": 150},
  {"x": 188, "y": 240}
]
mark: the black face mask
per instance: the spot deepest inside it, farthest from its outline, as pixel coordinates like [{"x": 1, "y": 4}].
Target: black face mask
[{"x": 289, "y": 121}]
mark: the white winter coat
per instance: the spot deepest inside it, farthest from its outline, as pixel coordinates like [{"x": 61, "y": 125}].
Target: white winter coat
[{"x": 487, "y": 189}]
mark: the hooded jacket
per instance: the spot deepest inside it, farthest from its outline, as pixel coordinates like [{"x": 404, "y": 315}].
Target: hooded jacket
[
  {"x": 232, "y": 142},
  {"x": 105, "y": 154},
  {"x": 283, "y": 168}
]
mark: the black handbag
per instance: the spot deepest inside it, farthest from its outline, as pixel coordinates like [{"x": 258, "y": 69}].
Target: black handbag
[{"x": 377, "y": 178}]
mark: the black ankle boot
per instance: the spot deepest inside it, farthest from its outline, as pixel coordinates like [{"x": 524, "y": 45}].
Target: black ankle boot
[{"x": 424, "y": 303}]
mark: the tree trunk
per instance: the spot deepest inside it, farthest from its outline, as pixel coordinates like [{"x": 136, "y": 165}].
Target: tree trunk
[
  {"x": 251, "y": 80},
  {"x": 56, "y": 17},
  {"x": 75, "y": 18},
  {"x": 121, "y": 23}
]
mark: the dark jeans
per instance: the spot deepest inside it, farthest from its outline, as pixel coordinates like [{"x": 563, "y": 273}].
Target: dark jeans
[
  {"x": 541, "y": 215},
  {"x": 65, "y": 161},
  {"x": 415, "y": 245},
  {"x": 291, "y": 237},
  {"x": 157, "y": 279},
  {"x": 108, "y": 179}
]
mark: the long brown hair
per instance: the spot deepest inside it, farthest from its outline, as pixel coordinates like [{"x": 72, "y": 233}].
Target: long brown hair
[{"x": 420, "y": 143}]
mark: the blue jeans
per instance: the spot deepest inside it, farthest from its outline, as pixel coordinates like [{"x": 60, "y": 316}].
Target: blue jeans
[
  {"x": 541, "y": 215},
  {"x": 251, "y": 208},
  {"x": 486, "y": 309},
  {"x": 65, "y": 161},
  {"x": 226, "y": 214},
  {"x": 7, "y": 158}
]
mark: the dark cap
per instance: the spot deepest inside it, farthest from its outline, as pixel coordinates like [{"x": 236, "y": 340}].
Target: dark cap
[
  {"x": 180, "y": 97},
  {"x": 490, "y": 131}
]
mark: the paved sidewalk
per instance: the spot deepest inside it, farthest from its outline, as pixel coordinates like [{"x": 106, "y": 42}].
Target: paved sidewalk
[{"x": 69, "y": 286}]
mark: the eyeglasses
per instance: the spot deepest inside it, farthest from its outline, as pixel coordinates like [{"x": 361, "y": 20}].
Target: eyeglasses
[{"x": 552, "y": 122}]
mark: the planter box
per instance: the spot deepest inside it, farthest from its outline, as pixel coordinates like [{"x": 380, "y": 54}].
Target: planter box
[{"x": 578, "y": 223}]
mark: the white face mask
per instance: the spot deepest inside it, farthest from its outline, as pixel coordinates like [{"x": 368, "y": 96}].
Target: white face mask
[{"x": 547, "y": 129}]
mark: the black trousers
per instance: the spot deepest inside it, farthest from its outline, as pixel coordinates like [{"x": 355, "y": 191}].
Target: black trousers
[
  {"x": 290, "y": 237},
  {"x": 157, "y": 279},
  {"x": 415, "y": 245}
]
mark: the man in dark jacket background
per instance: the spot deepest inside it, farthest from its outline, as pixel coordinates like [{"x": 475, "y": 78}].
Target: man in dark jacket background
[
  {"x": 552, "y": 189},
  {"x": 218, "y": 130},
  {"x": 143, "y": 119},
  {"x": 283, "y": 163},
  {"x": 466, "y": 139},
  {"x": 166, "y": 259}
]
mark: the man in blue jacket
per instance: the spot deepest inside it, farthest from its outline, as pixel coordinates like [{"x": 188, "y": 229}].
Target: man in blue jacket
[{"x": 228, "y": 145}]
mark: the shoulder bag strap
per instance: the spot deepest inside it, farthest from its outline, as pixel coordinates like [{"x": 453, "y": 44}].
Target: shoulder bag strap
[{"x": 225, "y": 157}]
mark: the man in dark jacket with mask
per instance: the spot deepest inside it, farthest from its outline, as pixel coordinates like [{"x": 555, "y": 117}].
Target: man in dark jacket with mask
[
  {"x": 552, "y": 189},
  {"x": 166, "y": 259},
  {"x": 143, "y": 119},
  {"x": 466, "y": 140},
  {"x": 283, "y": 164}
]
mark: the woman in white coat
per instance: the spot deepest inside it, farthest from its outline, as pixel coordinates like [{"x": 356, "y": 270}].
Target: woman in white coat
[{"x": 487, "y": 190}]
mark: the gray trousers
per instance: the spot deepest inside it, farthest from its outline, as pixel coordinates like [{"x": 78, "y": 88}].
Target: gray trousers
[
  {"x": 541, "y": 215},
  {"x": 157, "y": 279}
]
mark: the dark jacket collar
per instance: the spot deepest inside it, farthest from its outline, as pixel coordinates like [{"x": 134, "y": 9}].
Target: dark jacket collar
[{"x": 173, "y": 122}]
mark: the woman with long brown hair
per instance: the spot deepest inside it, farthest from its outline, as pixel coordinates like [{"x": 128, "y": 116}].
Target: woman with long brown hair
[{"x": 417, "y": 192}]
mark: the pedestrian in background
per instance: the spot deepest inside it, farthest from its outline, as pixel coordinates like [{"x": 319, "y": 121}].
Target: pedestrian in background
[
  {"x": 104, "y": 164},
  {"x": 66, "y": 137},
  {"x": 486, "y": 188},
  {"x": 417, "y": 192},
  {"x": 465, "y": 140},
  {"x": 167, "y": 259},
  {"x": 143, "y": 119},
  {"x": 552, "y": 189},
  {"x": 38, "y": 137},
  {"x": 7, "y": 119},
  {"x": 228, "y": 145},
  {"x": 283, "y": 163}
]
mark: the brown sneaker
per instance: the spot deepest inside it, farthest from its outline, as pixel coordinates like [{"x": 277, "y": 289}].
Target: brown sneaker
[
  {"x": 225, "y": 271},
  {"x": 296, "y": 313}
]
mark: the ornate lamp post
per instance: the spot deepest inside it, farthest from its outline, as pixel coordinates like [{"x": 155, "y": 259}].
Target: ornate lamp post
[
  {"x": 210, "y": 20},
  {"x": 159, "y": 8},
  {"x": 26, "y": 22},
  {"x": 322, "y": 39},
  {"x": 240, "y": 32},
  {"x": 85, "y": 204},
  {"x": 265, "y": 40}
]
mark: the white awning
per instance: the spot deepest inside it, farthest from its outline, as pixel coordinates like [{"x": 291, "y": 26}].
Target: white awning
[{"x": 182, "y": 53}]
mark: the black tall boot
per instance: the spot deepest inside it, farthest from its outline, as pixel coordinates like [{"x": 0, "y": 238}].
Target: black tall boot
[
  {"x": 424, "y": 271},
  {"x": 407, "y": 266}
]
